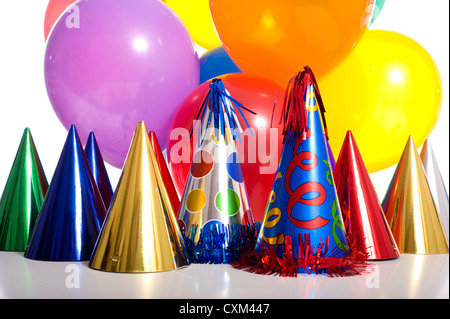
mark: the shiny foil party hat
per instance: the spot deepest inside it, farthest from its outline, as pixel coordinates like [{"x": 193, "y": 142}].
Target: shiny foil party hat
[
  {"x": 98, "y": 169},
  {"x": 73, "y": 210},
  {"x": 140, "y": 233},
  {"x": 165, "y": 174},
  {"x": 303, "y": 229},
  {"x": 410, "y": 209},
  {"x": 22, "y": 196},
  {"x": 361, "y": 209},
  {"x": 436, "y": 183},
  {"x": 214, "y": 210}
]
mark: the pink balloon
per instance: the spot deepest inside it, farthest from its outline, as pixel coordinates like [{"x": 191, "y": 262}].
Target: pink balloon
[{"x": 110, "y": 64}]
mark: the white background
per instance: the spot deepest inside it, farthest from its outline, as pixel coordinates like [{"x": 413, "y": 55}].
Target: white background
[{"x": 24, "y": 103}]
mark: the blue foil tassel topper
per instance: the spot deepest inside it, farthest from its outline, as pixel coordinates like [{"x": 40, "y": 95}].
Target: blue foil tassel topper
[
  {"x": 73, "y": 211},
  {"x": 222, "y": 108},
  {"x": 98, "y": 169}
]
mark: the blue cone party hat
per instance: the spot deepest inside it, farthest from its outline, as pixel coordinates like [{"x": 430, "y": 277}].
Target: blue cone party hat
[
  {"x": 303, "y": 229},
  {"x": 98, "y": 169},
  {"x": 214, "y": 209},
  {"x": 73, "y": 211}
]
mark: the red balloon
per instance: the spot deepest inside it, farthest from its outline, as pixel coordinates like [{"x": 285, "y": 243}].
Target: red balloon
[
  {"x": 259, "y": 154},
  {"x": 54, "y": 10}
]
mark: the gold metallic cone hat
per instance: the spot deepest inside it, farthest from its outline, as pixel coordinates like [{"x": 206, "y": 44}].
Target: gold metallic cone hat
[
  {"x": 140, "y": 232},
  {"x": 410, "y": 209}
]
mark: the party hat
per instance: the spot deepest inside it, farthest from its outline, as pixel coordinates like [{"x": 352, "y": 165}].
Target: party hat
[
  {"x": 410, "y": 209},
  {"x": 98, "y": 169},
  {"x": 165, "y": 174},
  {"x": 361, "y": 209},
  {"x": 22, "y": 196},
  {"x": 302, "y": 229},
  {"x": 140, "y": 233},
  {"x": 436, "y": 183},
  {"x": 214, "y": 209},
  {"x": 73, "y": 210}
]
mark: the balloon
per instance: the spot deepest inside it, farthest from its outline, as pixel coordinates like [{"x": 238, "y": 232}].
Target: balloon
[
  {"x": 216, "y": 62},
  {"x": 130, "y": 61},
  {"x": 386, "y": 90},
  {"x": 197, "y": 18},
  {"x": 259, "y": 161},
  {"x": 276, "y": 39},
  {"x": 376, "y": 11},
  {"x": 54, "y": 10}
]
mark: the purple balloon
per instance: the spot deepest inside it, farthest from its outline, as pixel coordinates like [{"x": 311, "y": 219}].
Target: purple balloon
[{"x": 110, "y": 64}]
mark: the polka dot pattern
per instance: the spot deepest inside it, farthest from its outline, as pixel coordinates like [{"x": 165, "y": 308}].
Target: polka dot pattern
[
  {"x": 228, "y": 202},
  {"x": 234, "y": 168},
  {"x": 196, "y": 200},
  {"x": 215, "y": 192},
  {"x": 202, "y": 164}
]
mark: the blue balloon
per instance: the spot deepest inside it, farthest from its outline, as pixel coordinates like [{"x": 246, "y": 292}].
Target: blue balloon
[{"x": 216, "y": 62}]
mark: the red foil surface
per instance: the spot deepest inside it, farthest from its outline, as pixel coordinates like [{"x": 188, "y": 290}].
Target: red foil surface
[{"x": 360, "y": 206}]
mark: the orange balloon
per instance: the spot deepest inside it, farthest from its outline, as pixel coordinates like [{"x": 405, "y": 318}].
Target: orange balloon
[
  {"x": 276, "y": 39},
  {"x": 54, "y": 10}
]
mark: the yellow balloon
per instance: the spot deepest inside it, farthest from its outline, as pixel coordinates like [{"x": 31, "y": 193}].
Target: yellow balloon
[
  {"x": 387, "y": 89},
  {"x": 196, "y": 16}
]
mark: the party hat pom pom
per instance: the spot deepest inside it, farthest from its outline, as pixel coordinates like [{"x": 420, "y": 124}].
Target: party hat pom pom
[
  {"x": 98, "y": 169},
  {"x": 214, "y": 210},
  {"x": 140, "y": 233},
  {"x": 22, "y": 196},
  {"x": 303, "y": 229},
  {"x": 73, "y": 210},
  {"x": 410, "y": 209}
]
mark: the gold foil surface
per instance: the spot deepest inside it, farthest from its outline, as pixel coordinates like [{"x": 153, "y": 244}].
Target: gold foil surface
[
  {"x": 140, "y": 233},
  {"x": 410, "y": 209}
]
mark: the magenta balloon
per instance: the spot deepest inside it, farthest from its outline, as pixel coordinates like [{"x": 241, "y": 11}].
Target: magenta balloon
[{"x": 110, "y": 64}]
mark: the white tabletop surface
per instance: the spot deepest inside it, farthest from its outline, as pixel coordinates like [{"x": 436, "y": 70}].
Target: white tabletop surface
[{"x": 407, "y": 277}]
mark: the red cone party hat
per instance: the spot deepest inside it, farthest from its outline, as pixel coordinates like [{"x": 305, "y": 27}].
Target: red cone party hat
[
  {"x": 165, "y": 174},
  {"x": 361, "y": 209}
]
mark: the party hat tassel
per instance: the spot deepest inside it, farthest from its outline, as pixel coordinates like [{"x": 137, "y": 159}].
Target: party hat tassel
[
  {"x": 359, "y": 202},
  {"x": 410, "y": 209},
  {"x": 98, "y": 169},
  {"x": 436, "y": 183},
  {"x": 140, "y": 233},
  {"x": 22, "y": 196},
  {"x": 302, "y": 229},
  {"x": 73, "y": 210},
  {"x": 214, "y": 210}
]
